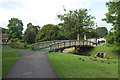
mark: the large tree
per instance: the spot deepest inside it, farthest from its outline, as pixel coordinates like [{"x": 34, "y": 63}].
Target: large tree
[
  {"x": 15, "y": 28},
  {"x": 113, "y": 17},
  {"x": 101, "y": 32},
  {"x": 90, "y": 32},
  {"x": 74, "y": 21},
  {"x": 48, "y": 32},
  {"x": 30, "y": 33}
]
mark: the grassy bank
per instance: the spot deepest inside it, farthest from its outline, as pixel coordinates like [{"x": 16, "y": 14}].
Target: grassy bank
[
  {"x": 70, "y": 66},
  {"x": 110, "y": 51},
  {"x": 9, "y": 58}
]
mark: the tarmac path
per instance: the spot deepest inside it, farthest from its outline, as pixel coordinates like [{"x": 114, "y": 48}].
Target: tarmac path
[{"x": 32, "y": 64}]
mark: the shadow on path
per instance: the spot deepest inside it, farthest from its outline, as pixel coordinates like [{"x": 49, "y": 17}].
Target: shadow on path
[{"x": 32, "y": 64}]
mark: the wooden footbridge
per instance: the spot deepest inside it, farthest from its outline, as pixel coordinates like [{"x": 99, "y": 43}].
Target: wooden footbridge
[{"x": 59, "y": 45}]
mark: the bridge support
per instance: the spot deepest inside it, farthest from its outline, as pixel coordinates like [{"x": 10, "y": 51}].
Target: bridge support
[
  {"x": 61, "y": 51},
  {"x": 82, "y": 50}
]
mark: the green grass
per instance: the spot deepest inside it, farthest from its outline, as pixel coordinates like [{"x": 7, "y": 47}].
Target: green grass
[
  {"x": 9, "y": 58},
  {"x": 69, "y": 66},
  {"x": 29, "y": 47},
  {"x": 110, "y": 51}
]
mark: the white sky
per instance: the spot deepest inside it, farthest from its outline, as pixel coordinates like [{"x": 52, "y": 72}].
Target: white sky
[{"x": 41, "y": 12}]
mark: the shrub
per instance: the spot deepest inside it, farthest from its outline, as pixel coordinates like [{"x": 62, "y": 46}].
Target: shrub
[
  {"x": 18, "y": 44},
  {"x": 30, "y": 47}
]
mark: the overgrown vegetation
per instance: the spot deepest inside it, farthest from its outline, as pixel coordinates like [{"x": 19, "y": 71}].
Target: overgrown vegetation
[
  {"x": 9, "y": 58},
  {"x": 76, "y": 66}
]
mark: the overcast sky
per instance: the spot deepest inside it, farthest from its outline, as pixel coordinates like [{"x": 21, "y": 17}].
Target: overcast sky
[{"x": 41, "y": 12}]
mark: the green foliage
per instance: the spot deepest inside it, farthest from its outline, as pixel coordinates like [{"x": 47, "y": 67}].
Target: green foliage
[
  {"x": 69, "y": 66},
  {"x": 74, "y": 21},
  {"x": 17, "y": 44},
  {"x": 30, "y": 47},
  {"x": 90, "y": 32},
  {"x": 101, "y": 32},
  {"x": 15, "y": 28},
  {"x": 113, "y": 17},
  {"x": 49, "y": 32},
  {"x": 9, "y": 58},
  {"x": 31, "y": 33}
]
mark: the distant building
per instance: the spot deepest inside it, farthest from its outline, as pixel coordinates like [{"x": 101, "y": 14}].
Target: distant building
[
  {"x": 101, "y": 40},
  {"x": 3, "y": 35},
  {"x": 98, "y": 40},
  {"x": 94, "y": 40}
]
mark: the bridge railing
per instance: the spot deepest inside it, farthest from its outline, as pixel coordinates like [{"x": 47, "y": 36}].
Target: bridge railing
[
  {"x": 69, "y": 43},
  {"x": 40, "y": 45}
]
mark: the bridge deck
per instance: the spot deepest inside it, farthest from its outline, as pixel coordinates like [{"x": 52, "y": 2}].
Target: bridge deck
[
  {"x": 62, "y": 44},
  {"x": 68, "y": 44}
]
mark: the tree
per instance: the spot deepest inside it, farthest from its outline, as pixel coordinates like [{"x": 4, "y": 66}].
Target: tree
[
  {"x": 113, "y": 17},
  {"x": 101, "y": 32},
  {"x": 90, "y": 32},
  {"x": 4, "y": 30},
  {"x": 74, "y": 21},
  {"x": 30, "y": 33},
  {"x": 15, "y": 28},
  {"x": 48, "y": 32}
]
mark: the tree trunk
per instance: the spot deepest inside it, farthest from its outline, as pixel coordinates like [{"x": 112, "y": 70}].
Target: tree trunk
[{"x": 78, "y": 36}]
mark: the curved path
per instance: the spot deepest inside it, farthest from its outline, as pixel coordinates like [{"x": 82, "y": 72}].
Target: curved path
[{"x": 32, "y": 64}]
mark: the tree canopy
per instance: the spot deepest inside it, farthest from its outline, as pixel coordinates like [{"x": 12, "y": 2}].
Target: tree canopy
[
  {"x": 48, "y": 32},
  {"x": 30, "y": 33},
  {"x": 74, "y": 21},
  {"x": 90, "y": 32},
  {"x": 113, "y": 17},
  {"x": 102, "y": 32},
  {"x": 15, "y": 28}
]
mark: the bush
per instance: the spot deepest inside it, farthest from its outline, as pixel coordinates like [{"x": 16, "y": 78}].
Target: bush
[
  {"x": 18, "y": 44},
  {"x": 30, "y": 47}
]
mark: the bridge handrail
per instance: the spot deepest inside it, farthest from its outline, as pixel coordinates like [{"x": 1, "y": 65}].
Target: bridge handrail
[
  {"x": 54, "y": 46},
  {"x": 39, "y": 45}
]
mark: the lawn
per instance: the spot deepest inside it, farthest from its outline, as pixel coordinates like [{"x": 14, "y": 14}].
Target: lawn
[
  {"x": 70, "y": 66},
  {"x": 110, "y": 51},
  {"x": 9, "y": 58}
]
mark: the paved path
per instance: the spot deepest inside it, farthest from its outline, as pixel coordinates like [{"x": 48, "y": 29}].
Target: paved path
[{"x": 32, "y": 64}]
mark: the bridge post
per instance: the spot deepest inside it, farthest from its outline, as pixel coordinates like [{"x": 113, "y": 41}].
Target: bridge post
[
  {"x": 50, "y": 47},
  {"x": 75, "y": 43},
  {"x": 58, "y": 45},
  {"x": 83, "y": 43},
  {"x": 64, "y": 44},
  {"x": 70, "y": 43}
]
